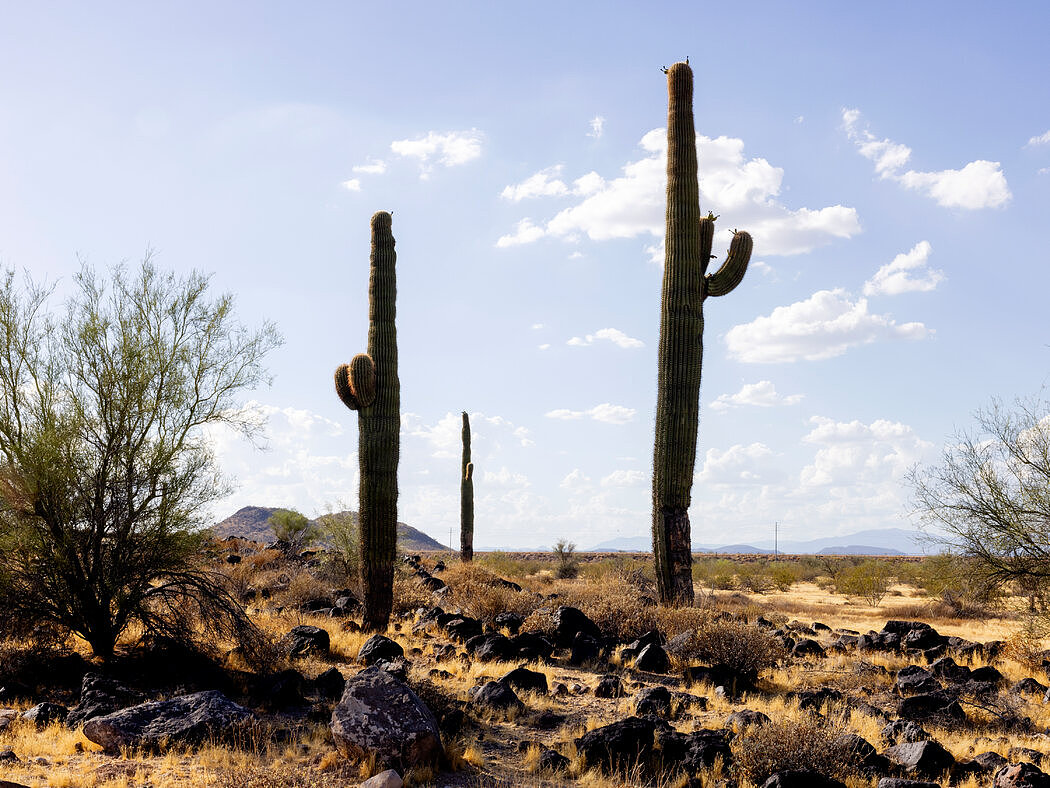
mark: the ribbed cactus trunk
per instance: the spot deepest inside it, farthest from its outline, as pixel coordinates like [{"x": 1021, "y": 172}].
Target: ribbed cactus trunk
[
  {"x": 466, "y": 497},
  {"x": 369, "y": 385},
  {"x": 687, "y": 250}
]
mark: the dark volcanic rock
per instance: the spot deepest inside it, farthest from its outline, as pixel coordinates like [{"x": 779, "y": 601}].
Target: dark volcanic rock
[
  {"x": 491, "y": 647},
  {"x": 510, "y": 621},
  {"x": 100, "y": 696},
  {"x": 903, "y": 731},
  {"x": 653, "y": 659},
  {"x": 496, "y": 696},
  {"x": 584, "y": 649},
  {"x": 43, "y": 714},
  {"x": 532, "y": 645},
  {"x": 619, "y": 745},
  {"x": 569, "y": 622},
  {"x": 933, "y": 704},
  {"x": 808, "y": 648},
  {"x": 552, "y": 761},
  {"x": 1020, "y": 775},
  {"x": 1028, "y": 686},
  {"x": 921, "y": 758},
  {"x": 379, "y": 647},
  {"x": 745, "y": 718},
  {"x": 185, "y": 719},
  {"x": 655, "y": 701},
  {"x": 901, "y": 782},
  {"x": 305, "y": 640},
  {"x": 526, "y": 680},
  {"x": 330, "y": 683},
  {"x": 794, "y": 779},
  {"x": 914, "y": 680},
  {"x": 380, "y": 716},
  {"x": 990, "y": 761},
  {"x": 609, "y": 686}
]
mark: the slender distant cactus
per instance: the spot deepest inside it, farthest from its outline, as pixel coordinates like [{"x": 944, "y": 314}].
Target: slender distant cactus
[
  {"x": 686, "y": 284},
  {"x": 369, "y": 385},
  {"x": 466, "y": 498}
]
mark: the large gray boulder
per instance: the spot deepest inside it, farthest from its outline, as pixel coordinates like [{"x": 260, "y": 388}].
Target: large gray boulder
[
  {"x": 380, "y": 716},
  {"x": 186, "y": 719}
]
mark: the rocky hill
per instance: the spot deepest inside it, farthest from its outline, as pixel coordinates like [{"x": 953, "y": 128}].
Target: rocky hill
[{"x": 250, "y": 522}]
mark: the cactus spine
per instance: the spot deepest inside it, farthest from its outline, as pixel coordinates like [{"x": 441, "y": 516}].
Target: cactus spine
[
  {"x": 369, "y": 385},
  {"x": 466, "y": 498},
  {"x": 686, "y": 284}
]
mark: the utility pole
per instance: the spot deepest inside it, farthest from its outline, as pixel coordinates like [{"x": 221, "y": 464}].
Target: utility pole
[{"x": 776, "y": 534}]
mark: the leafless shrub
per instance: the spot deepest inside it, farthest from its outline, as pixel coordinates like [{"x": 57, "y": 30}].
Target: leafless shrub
[{"x": 805, "y": 743}]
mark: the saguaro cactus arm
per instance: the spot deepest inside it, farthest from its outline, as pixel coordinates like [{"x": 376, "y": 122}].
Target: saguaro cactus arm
[{"x": 731, "y": 272}]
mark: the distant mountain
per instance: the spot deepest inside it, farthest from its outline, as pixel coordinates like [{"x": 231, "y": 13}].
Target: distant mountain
[
  {"x": 859, "y": 549},
  {"x": 251, "y": 523},
  {"x": 883, "y": 541}
]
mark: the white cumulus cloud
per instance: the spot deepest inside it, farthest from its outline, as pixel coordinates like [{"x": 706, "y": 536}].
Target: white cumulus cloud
[
  {"x": 825, "y": 325},
  {"x": 762, "y": 394},
  {"x": 597, "y": 127},
  {"x": 1042, "y": 139},
  {"x": 906, "y": 273},
  {"x": 743, "y": 190},
  {"x": 544, "y": 183},
  {"x": 606, "y": 412},
  {"x": 526, "y": 232},
  {"x": 377, "y": 167},
  {"x": 352, "y": 185},
  {"x": 614, "y": 335},
  {"x": 979, "y": 184},
  {"x": 449, "y": 148},
  {"x": 853, "y": 453},
  {"x": 623, "y": 478},
  {"x": 738, "y": 464}
]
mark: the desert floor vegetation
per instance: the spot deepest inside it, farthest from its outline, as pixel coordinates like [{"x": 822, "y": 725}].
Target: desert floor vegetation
[{"x": 744, "y": 629}]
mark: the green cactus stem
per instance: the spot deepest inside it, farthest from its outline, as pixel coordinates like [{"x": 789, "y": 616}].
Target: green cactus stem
[
  {"x": 687, "y": 250},
  {"x": 466, "y": 497},
  {"x": 369, "y": 385}
]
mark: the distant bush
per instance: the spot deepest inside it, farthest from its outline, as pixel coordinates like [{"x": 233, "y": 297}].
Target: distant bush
[
  {"x": 807, "y": 743},
  {"x": 784, "y": 575},
  {"x": 754, "y": 577},
  {"x": 869, "y": 580},
  {"x": 567, "y": 565}
]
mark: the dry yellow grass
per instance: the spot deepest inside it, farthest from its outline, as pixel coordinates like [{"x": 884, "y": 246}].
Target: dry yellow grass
[{"x": 610, "y": 594}]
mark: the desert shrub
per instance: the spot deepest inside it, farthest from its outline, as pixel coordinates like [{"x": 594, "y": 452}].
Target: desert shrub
[
  {"x": 476, "y": 592},
  {"x": 304, "y": 588},
  {"x": 719, "y": 573},
  {"x": 567, "y": 565},
  {"x": 805, "y": 743},
  {"x": 293, "y": 527},
  {"x": 961, "y": 592},
  {"x": 869, "y": 580},
  {"x": 342, "y": 561},
  {"x": 754, "y": 577},
  {"x": 615, "y": 606},
  {"x": 409, "y": 592},
  {"x": 745, "y": 649},
  {"x": 784, "y": 575},
  {"x": 507, "y": 566}
]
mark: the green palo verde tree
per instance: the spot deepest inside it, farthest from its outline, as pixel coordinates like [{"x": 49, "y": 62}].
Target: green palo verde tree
[
  {"x": 106, "y": 472},
  {"x": 686, "y": 284},
  {"x": 369, "y": 385},
  {"x": 466, "y": 497}
]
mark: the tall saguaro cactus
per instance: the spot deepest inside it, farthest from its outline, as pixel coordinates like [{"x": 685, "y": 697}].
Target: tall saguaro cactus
[
  {"x": 686, "y": 284},
  {"x": 466, "y": 497},
  {"x": 369, "y": 385}
]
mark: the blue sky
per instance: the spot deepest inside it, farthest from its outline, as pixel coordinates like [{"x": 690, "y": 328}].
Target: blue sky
[{"x": 892, "y": 162}]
